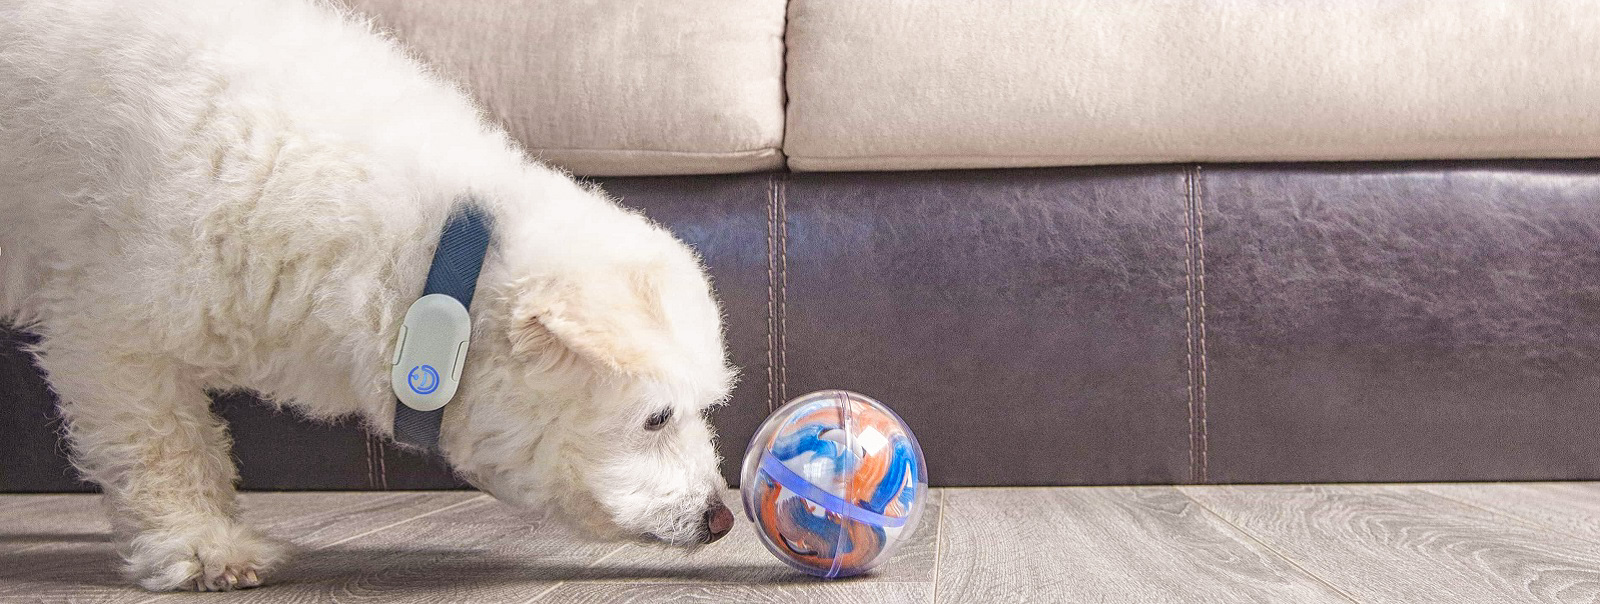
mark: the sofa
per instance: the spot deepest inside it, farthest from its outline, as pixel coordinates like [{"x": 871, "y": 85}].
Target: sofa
[{"x": 1069, "y": 241}]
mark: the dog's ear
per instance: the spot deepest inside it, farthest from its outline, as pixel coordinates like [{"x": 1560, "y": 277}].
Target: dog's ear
[{"x": 617, "y": 322}]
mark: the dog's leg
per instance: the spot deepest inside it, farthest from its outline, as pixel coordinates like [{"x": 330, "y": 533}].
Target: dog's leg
[{"x": 150, "y": 440}]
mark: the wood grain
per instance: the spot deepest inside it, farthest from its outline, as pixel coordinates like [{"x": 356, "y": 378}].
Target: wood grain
[
  {"x": 61, "y": 545},
  {"x": 1571, "y": 507},
  {"x": 35, "y": 523},
  {"x": 316, "y": 520},
  {"x": 34, "y": 518},
  {"x": 1146, "y": 544},
  {"x": 1330, "y": 543},
  {"x": 58, "y": 548},
  {"x": 1403, "y": 544},
  {"x": 8, "y": 502},
  {"x": 479, "y": 550}
]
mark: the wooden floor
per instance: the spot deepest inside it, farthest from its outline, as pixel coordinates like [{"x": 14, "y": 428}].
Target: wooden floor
[{"x": 1526, "y": 542}]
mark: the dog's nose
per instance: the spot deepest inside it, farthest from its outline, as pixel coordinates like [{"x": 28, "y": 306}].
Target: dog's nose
[{"x": 718, "y": 520}]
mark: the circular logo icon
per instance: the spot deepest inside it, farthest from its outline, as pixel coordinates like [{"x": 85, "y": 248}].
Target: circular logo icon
[{"x": 423, "y": 379}]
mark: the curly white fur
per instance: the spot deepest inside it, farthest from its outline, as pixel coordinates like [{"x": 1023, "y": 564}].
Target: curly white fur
[{"x": 200, "y": 196}]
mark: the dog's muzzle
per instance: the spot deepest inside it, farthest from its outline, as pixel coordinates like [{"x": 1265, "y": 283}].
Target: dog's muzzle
[{"x": 718, "y": 520}]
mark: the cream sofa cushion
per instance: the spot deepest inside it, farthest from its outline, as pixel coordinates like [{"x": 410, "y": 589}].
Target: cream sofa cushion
[
  {"x": 614, "y": 87},
  {"x": 910, "y": 84}
]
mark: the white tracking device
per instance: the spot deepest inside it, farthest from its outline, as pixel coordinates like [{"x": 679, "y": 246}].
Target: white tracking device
[{"x": 430, "y": 352}]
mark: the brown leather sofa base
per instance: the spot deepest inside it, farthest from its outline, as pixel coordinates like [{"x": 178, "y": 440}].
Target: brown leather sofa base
[
  {"x": 1153, "y": 324},
  {"x": 1403, "y": 322}
]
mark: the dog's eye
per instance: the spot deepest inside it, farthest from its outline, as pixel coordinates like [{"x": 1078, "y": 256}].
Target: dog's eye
[{"x": 659, "y": 420}]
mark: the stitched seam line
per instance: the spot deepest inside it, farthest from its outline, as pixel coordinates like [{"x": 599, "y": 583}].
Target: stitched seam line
[
  {"x": 1188, "y": 317},
  {"x": 1199, "y": 183},
  {"x": 772, "y": 293},
  {"x": 783, "y": 290},
  {"x": 372, "y": 481},
  {"x": 383, "y": 466}
]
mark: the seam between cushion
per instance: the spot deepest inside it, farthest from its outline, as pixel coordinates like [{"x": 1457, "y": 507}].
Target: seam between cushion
[{"x": 783, "y": 84}]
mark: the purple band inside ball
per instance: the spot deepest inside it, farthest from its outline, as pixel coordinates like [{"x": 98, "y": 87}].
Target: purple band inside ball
[{"x": 782, "y": 475}]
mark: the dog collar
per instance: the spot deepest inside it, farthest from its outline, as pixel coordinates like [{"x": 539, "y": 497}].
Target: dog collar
[{"x": 431, "y": 349}]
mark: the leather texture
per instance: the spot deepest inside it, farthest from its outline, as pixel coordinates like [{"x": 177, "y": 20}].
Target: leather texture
[
  {"x": 1152, "y": 324},
  {"x": 1402, "y": 321},
  {"x": 1028, "y": 325}
]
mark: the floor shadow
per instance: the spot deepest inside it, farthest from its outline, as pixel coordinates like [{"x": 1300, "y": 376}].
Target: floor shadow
[
  {"x": 446, "y": 566},
  {"x": 419, "y": 571},
  {"x": 74, "y": 566},
  {"x": 19, "y": 538}
]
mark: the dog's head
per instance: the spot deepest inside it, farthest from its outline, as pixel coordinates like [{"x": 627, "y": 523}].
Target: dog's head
[{"x": 594, "y": 364}]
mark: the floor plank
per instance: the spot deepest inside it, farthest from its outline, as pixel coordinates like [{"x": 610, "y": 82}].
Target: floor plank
[
  {"x": 30, "y": 519},
  {"x": 60, "y": 545},
  {"x": 1403, "y": 544},
  {"x": 57, "y": 548},
  {"x": 1573, "y": 507},
  {"x": 479, "y": 550},
  {"x": 19, "y": 501},
  {"x": 1329, "y": 543},
  {"x": 1145, "y": 544},
  {"x": 316, "y": 520}
]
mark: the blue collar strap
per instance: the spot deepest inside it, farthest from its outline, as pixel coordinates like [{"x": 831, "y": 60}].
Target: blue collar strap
[{"x": 454, "y": 273}]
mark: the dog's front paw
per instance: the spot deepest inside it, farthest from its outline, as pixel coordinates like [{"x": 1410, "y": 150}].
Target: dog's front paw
[{"x": 216, "y": 557}]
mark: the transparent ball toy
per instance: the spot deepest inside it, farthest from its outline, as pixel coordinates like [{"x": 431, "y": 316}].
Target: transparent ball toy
[{"x": 834, "y": 483}]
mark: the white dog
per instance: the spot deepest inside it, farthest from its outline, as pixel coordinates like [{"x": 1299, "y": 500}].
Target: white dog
[{"x": 199, "y": 196}]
